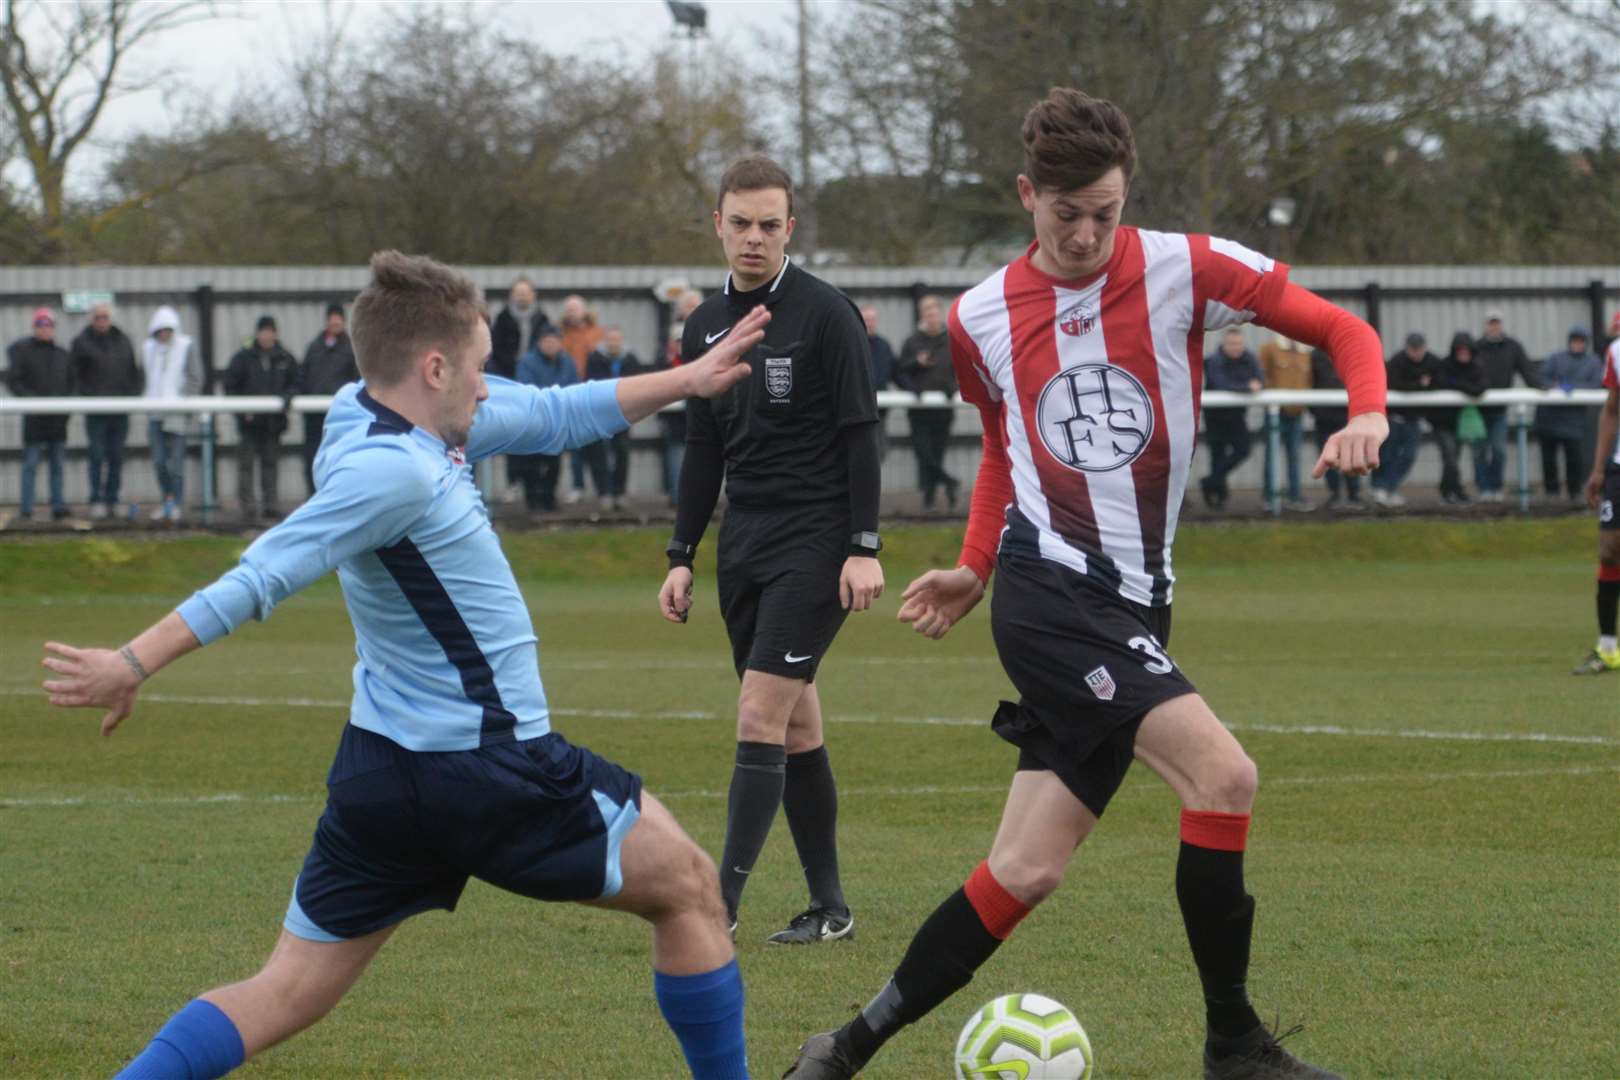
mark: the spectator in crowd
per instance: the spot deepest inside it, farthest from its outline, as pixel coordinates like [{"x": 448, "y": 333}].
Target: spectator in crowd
[
  {"x": 882, "y": 371},
  {"x": 1412, "y": 370},
  {"x": 261, "y": 369},
  {"x": 544, "y": 365},
  {"x": 1502, "y": 357},
  {"x": 172, "y": 369},
  {"x": 1286, "y": 366},
  {"x": 1459, "y": 371},
  {"x": 580, "y": 334},
  {"x": 924, "y": 365},
  {"x": 515, "y": 332},
  {"x": 516, "y": 329},
  {"x": 1569, "y": 430},
  {"x": 39, "y": 367},
  {"x": 612, "y": 460},
  {"x": 328, "y": 366},
  {"x": 673, "y": 421},
  {"x": 1328, "y": 419},
  {"x": 104, "y": 366},
  {"x": 1231, "y": 367}
]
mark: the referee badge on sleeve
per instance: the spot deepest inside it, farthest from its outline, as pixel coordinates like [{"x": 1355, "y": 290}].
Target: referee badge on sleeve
[
  {"x": 779, "y": 375},
  {"x": 1101, "y": 683}
]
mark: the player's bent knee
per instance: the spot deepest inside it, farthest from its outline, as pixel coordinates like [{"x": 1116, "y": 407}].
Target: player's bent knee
[
  {"x": 1029, "y": 880},
  {"x": 1228, "y": 785}
]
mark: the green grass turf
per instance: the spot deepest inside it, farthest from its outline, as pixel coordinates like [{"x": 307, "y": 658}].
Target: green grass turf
[{"x": 1429, "y": 907}]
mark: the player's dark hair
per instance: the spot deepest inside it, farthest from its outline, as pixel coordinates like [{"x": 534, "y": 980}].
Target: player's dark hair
[
  {"x": 1071, "y": 139},
  {"x": 756, "y": 172},
  {"x": 412, "y": 304}
]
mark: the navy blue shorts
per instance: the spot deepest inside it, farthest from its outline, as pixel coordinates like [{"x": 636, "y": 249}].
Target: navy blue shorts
[{"x": 404, "y": 830}]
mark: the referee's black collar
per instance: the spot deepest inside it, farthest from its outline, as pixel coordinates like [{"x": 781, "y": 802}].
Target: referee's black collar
[{"x": 766, "y": 294}]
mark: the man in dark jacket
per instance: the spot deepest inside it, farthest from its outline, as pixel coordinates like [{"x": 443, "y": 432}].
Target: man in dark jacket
[
  {"x": 882, "y": 371},
  {"x": 1412, "y": 370},
  {"x": 1328, "y": 420},
  {"x": 39, "y": 367},
  {"x": 262, "y": 369},
  {"x": 610, "y": 461},
  {"x": 514, "y": 334},
  {"x": 1231, "y": 367},
  {"x": 328, "y": 366},
  {"x": 1459, "y": 371},
  {"x": 1502, "y": 357},
  {"x": 104, "y": 366},
  {"x": 924, "y": 365}
]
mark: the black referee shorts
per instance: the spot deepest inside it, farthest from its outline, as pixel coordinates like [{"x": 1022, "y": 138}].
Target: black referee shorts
[
  {"x": 1088, "y": 664},
  {"x": 778, "y": 576}
]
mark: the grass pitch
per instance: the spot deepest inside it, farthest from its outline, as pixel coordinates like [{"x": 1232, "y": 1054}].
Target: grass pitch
[{"x": 1435, "y": 851}]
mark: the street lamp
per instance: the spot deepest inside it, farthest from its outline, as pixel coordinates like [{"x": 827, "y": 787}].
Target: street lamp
[{"x": 690, "y": 15}]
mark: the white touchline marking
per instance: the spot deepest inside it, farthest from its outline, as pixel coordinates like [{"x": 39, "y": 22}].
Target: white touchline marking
[
  {"x": 233, "y": 798},
  {"x": 873, "y": 718}
]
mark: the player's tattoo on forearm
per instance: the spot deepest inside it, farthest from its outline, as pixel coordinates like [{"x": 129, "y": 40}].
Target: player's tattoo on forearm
[{"x": 134, "y": 663}]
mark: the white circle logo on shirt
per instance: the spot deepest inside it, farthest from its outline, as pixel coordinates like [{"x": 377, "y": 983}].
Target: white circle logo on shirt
[{"x": 1095, "y": 417}]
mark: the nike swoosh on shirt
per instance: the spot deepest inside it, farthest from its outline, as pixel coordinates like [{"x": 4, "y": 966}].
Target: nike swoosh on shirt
[
  {"x": 790, "y": 658},
  {"x": 710, "y": 339}
]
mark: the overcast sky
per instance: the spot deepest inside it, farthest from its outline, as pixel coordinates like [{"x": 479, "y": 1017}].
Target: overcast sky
[{"x": 216, "y": 59}]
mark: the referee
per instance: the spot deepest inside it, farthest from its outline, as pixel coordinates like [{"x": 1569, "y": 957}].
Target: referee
[{"x": 796, "y": 446}]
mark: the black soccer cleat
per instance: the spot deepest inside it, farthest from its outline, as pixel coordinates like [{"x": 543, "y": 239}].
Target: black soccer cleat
[
  {"x": 820, "y": 1059},
  {"x": 1258, "y": 1056},
  {"x": 815, "y": 926}
]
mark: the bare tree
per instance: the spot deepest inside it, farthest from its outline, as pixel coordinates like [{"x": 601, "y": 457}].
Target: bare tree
[{"x": 59, "y": 76}]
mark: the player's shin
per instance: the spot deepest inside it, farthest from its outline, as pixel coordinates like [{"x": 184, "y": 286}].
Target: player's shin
[
  {"x": 756, "y": 794},
  {"x": 1219, "y": 915},
  {"x": 1608, "y": 604},
  {"x": 810, "y": 801},
  {"x": 198, "y": 1043},
  {"x": 705, "y": 1012},
  {"x": 952, "y": 944}
]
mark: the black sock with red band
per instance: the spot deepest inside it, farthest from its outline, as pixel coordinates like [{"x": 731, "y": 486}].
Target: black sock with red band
[{"x": 1219, "y": 915}]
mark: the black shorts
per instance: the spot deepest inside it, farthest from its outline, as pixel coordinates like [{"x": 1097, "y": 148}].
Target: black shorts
[
  {"x": 1088, "y": 664},
  {"x": 403, "y": 830},
  {"x": 778, "y": 577},
  {"x": 1609, "y": 500}
]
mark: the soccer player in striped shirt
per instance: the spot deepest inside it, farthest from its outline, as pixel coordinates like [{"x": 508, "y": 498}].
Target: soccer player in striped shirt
[
  {"x": 1084, "y": 358},
  {"x": 448, "y": 767},
  {"x": 1603, "y": 495}
]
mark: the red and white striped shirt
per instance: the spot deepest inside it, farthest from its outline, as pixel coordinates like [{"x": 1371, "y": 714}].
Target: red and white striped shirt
[{"x": 1090, "y": 393}]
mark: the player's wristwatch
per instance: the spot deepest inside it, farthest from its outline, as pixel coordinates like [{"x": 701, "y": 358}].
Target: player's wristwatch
[
  {"x": 865, "y": 543},
  {"x": 680, "y": 554}
]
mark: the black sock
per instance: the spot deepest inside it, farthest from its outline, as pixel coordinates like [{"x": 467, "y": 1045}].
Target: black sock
[
  {"x": 949, "y": 947},
  {"x": 810, "y": 801},
  {"x": 1220, "y": 922},
  {"x": 756, "y": 792},
  {"x": 1608, "y": 605}
]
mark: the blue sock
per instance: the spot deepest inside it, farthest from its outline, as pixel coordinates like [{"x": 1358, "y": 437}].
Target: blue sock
[
  {"x": 706, "y": 1013},
  {"x": 198, "y": 1043}
]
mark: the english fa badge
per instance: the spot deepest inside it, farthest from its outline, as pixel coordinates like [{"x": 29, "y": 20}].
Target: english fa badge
[
  {"x": 1101, "y": 683},
  {"x": 779, "y": 375}
]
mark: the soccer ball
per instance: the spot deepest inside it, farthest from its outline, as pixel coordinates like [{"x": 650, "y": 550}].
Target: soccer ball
[{"x": 1029, "y": 1036}]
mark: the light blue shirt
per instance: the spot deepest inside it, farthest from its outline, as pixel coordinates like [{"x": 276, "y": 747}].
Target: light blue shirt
[{"x": 448, "y": 657}]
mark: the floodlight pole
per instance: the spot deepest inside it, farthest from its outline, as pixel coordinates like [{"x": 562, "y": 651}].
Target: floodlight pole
[{"x": 806, "y": 229}]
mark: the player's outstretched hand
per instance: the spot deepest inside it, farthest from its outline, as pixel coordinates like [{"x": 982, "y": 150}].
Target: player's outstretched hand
[
  {"x": 675, "y": 598},
  {"x": 1353, "y": 449},
  {"x": 940, "y": 599},
  {"x": 91, "y": 678},
  {"x": 860, "y": 583},
  {"x": 721, "y": 368}
]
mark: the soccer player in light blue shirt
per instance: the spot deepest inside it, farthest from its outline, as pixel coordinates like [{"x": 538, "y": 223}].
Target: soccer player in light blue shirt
[{"x": 448, "y": 768}]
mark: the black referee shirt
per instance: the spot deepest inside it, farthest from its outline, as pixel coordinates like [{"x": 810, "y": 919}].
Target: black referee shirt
[{"x": 780, "y": 428}]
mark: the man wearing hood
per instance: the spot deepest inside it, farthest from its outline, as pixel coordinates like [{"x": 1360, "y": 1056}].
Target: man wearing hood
[
  {"x": 172, "y": 369},
  {"x": 1569, "y": 429},
  {"x": 262, "y": 369},
  {"x": 1461, "y": 372},
  {"x": 104, "y": 366},
  {"x": 39, "y": 367}
]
